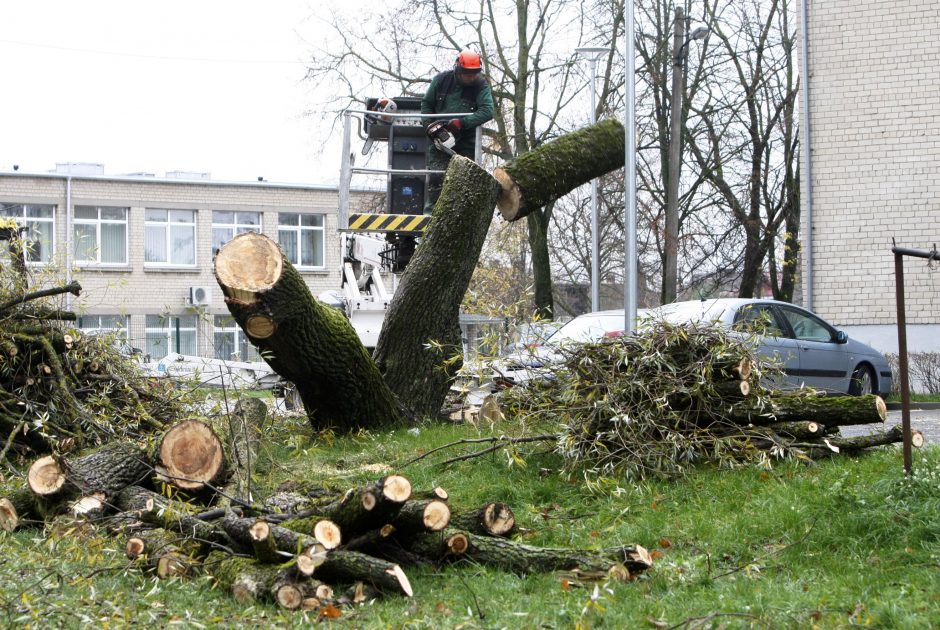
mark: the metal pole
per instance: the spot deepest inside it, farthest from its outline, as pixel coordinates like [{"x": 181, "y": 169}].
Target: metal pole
[
  {"x": 902, "y": 360},
  {"x": 629, "y": 211},
  {"x": 345, "y": 173},
  {"x": 806, "y": 145},
  {"x": 595, "y": 232}
]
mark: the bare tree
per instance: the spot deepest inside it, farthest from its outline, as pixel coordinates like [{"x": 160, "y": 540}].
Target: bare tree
[
  {"x": 403, "y": 46},
  {"x": 748, "y": 147}
]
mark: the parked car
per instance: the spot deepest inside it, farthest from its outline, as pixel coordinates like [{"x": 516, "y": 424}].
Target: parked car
[
  {"x": 812, "y": 351},
  {"x": 535, "y": 361}
]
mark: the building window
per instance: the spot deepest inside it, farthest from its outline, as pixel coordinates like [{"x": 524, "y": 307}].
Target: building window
[
  {"x": 170, "y": 334},
  {"x": 40, "y": 223},
  {"x": 100, "y": 235},
  {"x": 230, "y": 341},
  {"x": 104, "y": 324},
  {"x": 227, "y": 225},
  {"x": 170, "y": 237},
  {"x": 301, "y": 238}
]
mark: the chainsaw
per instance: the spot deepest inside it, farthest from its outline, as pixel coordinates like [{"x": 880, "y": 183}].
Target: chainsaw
[{"x": 442, "y": 137}]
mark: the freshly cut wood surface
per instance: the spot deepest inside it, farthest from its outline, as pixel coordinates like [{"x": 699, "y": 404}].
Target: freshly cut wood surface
[
  {"x": 545, "y": 174},
  {"x": 191, "y": 455}
]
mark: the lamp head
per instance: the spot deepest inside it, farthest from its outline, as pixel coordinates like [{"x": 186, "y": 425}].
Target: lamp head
[{"x": 699, "y": 32}]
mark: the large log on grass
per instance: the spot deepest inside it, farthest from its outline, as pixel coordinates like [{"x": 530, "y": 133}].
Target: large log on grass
[
  {"x": 543, "y": 175},
  {"x": 108, "y": 470},
  {"x": 302, "y": 339},
  {"x": 522, "y": 558},
  {"x": 828, "y": 411},
  {"x": 833, "y": 445},
  {"x": 421, "y": 334}
]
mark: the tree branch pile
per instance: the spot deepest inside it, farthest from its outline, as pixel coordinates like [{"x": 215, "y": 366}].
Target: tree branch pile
[
  {"x": 61, "y": 389},
  {"x": 312, "y": 549},
  {"x": 671, "y": 397}
]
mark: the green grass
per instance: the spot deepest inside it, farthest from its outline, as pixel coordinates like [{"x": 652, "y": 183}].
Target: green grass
[
  {"x": 849, "y": 541},
  {"x": 915, "y": 398}
]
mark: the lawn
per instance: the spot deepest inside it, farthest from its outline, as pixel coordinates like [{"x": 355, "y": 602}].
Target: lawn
[{"x": 847, "y": 542}]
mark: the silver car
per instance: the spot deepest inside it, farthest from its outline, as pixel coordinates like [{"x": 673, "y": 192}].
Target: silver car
[{"x": 813, "y": 352}]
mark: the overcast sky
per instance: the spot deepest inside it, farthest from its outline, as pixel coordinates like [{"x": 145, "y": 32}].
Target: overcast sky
[{"x": 196, "y": 85}]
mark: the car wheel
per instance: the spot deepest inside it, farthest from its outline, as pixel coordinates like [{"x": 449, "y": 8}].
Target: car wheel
[{"x": 863, "y": 381}]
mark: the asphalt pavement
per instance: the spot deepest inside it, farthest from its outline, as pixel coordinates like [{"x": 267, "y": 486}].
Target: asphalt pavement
[{"x": 927, "y": 421}]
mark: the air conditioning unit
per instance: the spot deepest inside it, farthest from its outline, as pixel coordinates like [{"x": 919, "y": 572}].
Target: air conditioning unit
[{"x": 200, "y": 296}]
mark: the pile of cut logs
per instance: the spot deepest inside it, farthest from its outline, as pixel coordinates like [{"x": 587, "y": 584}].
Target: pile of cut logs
[{"x": 186, "y": 507}]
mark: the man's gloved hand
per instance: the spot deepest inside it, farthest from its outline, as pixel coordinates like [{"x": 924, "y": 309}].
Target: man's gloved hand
[{"x": 454, "y": 126}]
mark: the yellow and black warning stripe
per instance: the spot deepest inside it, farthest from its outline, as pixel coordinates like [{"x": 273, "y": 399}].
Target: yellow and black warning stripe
[{"x": 361, "y": 222}]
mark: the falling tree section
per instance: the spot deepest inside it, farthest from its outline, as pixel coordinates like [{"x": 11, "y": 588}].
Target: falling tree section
[
  {"x": 543, "y": 175},
  {"x": 302, "y": 339}
]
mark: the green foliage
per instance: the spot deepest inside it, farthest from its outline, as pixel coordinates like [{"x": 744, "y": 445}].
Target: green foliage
[
  {"x": 847, "y": 542},
  {"x": 655, "y": 403}
]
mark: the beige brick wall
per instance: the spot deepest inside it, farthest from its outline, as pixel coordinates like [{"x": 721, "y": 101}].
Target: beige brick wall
[
  {"x": 137, "y": 289},
  {"x": 875, "y": 126}
]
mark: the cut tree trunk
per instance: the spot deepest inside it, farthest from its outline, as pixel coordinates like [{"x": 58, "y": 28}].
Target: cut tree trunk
[
  {"x": 58, "y": 480},
  {"x": 431, "y": 515},
  {"x": 522, "y": 558},
  {"x": 191, "y": 457},
  {"x": 493, "y": 519},
  {"x": 828, "y": 411},
  {"x": 360, "y": 509},
  {"x": 834, "y": 445},
  {"x": 353, "y": 566},
  {"x": 302, "y": 339},
  {"x": 421, "y": 333},
  {"x": 543, "y": 175},
  {"x": 165, "y": 553}
]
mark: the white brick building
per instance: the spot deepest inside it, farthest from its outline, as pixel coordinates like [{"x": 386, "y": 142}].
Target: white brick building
[
  {"x": 874, "y": 129},
  {"x": 142, "y": 247}
]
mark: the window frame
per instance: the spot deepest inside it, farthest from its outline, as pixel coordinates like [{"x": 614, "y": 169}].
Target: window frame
[
  {"x": 23, "y": 220},
  {"x": 167, "y": 225},
  {"x": 239, "y": 338},
  {"x": 235, "y": 228},
  {"x": 299, "y": 229},
  {"x": 98, "y": 223},
  {"x": 168, "y": 330}
]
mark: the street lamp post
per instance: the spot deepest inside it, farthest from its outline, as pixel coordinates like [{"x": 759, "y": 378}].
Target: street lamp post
[
  {"x": 680, "y": 54},
  {"x": 629, "y": 171},
  {"x": 593, "y": 54}
]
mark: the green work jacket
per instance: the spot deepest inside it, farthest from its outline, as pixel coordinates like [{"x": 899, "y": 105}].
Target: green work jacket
[{"x": 473, "y": 105}]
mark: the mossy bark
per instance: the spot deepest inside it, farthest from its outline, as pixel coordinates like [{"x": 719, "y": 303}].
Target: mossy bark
[
  {"x": 828, "y": 411},
  {"x": 302, "y": 339},
  {"x": 543, "y": 175},
  {"x": 421, "y": 331},
  {"x": 522, "y": 558}
]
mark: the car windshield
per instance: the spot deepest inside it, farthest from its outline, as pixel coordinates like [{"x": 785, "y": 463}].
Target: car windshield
[{"x": 590, "y": 328}]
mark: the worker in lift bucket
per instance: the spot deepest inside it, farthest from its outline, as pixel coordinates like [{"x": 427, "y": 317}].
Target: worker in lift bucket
[{"x": 465, "y": 101}]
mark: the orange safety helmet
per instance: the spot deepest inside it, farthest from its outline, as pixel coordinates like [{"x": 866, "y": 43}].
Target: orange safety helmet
[{"x": 469, "y": 62}]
